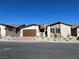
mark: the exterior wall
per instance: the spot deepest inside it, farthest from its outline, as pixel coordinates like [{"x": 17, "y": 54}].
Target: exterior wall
[
  {"x": 65, "y": 30},
  {"x": 30, "y": 27},
  {"x": 52, "y": 34},
  {"x": 6, "y": 32},
  {"x": 18, "y": 33},
  {"x": 11, "y": 32},
  {"x": 2, "y": 32},
  {"x": 44, "y": 35},
  {"x": 77, "y": 32}
]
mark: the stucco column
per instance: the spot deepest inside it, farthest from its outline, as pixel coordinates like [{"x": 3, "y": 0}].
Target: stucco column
[
  {"x": 48, "y": 31},
  {"x": 21, "y": 33}
]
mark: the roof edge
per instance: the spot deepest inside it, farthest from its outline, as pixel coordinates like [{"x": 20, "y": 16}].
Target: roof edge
[{"x": 59, "y": 23}]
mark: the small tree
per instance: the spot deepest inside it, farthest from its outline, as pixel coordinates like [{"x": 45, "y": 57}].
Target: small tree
[
  {"x": 77, "y": 38},
  {"x": 69, "y": 36},
  {"x": 55, "y": 36}
]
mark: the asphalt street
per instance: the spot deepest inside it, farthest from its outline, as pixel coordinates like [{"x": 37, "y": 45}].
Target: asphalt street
[{"x": 10, "y": 50}]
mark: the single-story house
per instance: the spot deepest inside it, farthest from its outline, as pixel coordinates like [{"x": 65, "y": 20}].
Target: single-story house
[
  {"x": 75, "y": 31},
  {"x": 58, "y": 29},
  {"x": 42, "y": 30},
  {"x": 7, "y": 30},
  {"x": 29, "y": 30}
]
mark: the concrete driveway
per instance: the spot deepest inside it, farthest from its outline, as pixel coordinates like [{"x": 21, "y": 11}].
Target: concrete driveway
[{"x": 18, "y": 50}]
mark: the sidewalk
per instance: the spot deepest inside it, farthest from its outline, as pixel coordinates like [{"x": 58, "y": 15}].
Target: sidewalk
[{"x": 39, "y": 39}]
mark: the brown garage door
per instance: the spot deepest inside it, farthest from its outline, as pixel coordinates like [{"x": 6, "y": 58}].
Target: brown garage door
[{"x": 31, "y": 32}]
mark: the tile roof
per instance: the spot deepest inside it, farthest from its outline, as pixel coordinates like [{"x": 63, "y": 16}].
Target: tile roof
[
  {"x": 58, "y": 23},
  {"x": 25, "y": 25},
  {"x": 7, "y": 25},
  {"x": 15, "y": 25},
  {"x": 41, "y": 25},
  {"x": 75, "y": 25}
]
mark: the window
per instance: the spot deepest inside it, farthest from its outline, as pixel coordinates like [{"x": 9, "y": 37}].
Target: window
[
  {"x": 55, "y": 30},
  {"x": 52, "y": 30},
  {"x": 58, "y": 30}
]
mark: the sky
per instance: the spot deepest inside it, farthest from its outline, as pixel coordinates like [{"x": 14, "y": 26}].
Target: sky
[{"x": 39, "y": 11}]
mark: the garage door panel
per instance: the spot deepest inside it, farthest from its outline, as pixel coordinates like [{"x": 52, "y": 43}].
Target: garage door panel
[{"x": 31, "y": 32}]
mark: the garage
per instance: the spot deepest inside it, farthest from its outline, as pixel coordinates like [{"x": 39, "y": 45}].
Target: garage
[{"x": 30, "y": 32}]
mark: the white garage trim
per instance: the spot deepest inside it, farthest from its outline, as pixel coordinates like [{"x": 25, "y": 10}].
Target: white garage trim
[{"x": 30, "y": 27}]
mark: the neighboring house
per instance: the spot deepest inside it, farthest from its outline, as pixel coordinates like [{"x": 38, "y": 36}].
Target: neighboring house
[
  {"x": 58, "y": 29},
  {"x": 75, "y": 31},
  {"x": 29, "y": 30},
  {"x": 7, "y": 30}
]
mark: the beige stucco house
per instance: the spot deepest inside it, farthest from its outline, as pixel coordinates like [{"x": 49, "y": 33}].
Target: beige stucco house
[
  {"x": 58, "y": 29},
  {"x": 7, "y": 30},
  {"x": 29, "y": 30},
  {"x": 41, "y": 30}
]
